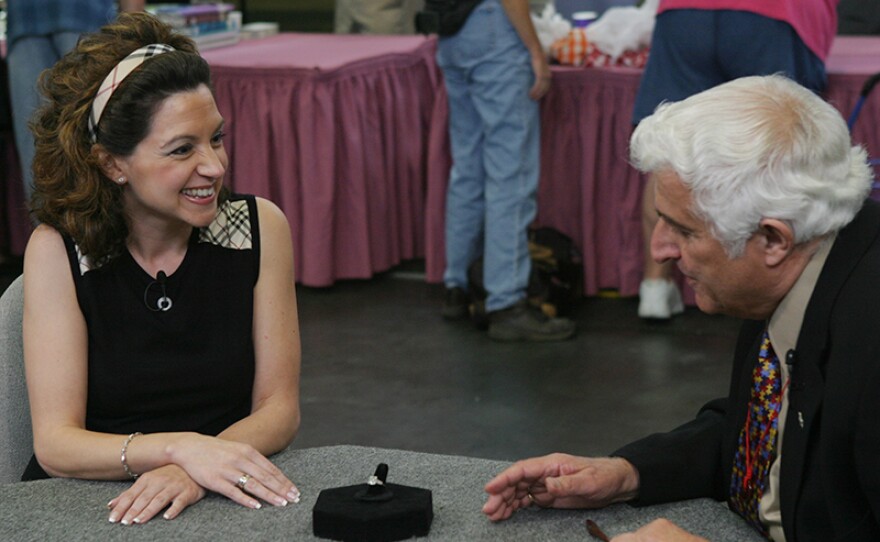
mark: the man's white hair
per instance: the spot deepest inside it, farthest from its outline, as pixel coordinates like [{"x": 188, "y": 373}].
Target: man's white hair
[{"x": 753, "y": 148}]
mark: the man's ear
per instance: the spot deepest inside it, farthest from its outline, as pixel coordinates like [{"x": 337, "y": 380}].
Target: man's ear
[
  {"x": 108, "y": 163},
  {"x": 778, "y": 240}
]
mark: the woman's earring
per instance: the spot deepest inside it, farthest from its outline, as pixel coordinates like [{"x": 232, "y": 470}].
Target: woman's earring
[{"x": 121, "y": 181}]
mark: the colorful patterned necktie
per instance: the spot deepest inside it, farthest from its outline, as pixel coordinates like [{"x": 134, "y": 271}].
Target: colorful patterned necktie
[{"x": 756, "y": 449}]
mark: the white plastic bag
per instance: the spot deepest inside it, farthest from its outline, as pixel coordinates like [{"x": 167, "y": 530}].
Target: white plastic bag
[
  {"x": 622, "y": 29},
  {"x": 550, "y": 26}
]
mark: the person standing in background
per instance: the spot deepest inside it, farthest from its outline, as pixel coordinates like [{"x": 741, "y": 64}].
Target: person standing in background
[
  {"x": 495, "y": 72},
  {"x": 39, "y": 33},
  {"x": 698, "y": 44},
  {"x": 376, "y": 16}
]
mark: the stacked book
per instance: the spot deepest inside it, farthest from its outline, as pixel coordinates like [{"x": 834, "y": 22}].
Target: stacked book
[{"x": 209, "y": 25}]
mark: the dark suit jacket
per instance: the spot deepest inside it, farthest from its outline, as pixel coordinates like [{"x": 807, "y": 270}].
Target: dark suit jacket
[{"x": 830, "y": 474}]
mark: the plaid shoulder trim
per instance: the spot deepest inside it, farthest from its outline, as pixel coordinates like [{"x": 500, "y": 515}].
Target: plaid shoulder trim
[
  {"x": 231, "y": 227},
  {"x": 86, "y": 263}
]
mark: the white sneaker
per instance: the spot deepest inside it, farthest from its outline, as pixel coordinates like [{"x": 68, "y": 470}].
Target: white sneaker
[{"x": 659, "y": 299}]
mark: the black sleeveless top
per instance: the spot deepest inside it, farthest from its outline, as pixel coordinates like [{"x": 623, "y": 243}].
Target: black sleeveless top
[{"x": 189, "y": 368}]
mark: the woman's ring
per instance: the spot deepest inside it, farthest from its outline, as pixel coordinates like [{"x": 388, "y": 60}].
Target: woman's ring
[{"x": 243, "y": 480}]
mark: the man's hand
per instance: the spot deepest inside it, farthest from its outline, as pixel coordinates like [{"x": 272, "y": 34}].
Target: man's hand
[
  {"x": 660, "y": 530},
  {"x": 560, "y": 481}
]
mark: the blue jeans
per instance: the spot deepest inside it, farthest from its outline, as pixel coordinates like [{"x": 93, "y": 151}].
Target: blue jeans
[
  {"x": 27, "y": 58},
  {"x": 494, "y": 133}
]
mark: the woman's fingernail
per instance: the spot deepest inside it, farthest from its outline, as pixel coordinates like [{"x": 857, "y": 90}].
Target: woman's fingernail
[
  {"x": 256, "y": 505},
  {"x": 280, "y": 502},
  {"x": 293, "y": 495},
  {"x": 110, "y": 504},
  {"x": 112, "y": 519}
]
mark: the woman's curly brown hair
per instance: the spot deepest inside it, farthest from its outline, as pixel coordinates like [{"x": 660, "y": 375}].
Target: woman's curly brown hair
[{"x": 72, "y": 193}]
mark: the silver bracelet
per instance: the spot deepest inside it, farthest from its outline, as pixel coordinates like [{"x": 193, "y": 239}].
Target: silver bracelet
[{"x": 122, "y": 457}]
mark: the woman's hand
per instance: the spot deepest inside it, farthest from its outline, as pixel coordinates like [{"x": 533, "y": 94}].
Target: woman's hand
[
  {"x": 153, "y": 492},
  {"x": 222, "y": 465}
]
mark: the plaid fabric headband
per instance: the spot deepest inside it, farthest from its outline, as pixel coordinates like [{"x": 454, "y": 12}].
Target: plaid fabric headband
[{"x": 116, "y": 76}]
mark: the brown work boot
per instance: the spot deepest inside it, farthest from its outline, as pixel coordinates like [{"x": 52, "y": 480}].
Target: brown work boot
[{"x": 524, "y": 322}]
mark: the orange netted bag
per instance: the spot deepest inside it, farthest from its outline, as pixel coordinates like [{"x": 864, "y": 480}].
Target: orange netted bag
[
  {"x": 576, "y": 50},
  {"x": 572, "y": 49},
  {"x": 631, "y": 59}
]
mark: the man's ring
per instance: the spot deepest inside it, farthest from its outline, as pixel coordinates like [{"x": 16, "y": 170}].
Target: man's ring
[
  {"x": 243, "y": 480},
  {"x": 533, "y": 500}
]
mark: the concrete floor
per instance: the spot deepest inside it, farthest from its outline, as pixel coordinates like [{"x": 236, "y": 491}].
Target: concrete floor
[{"x": 382, "y": 368}]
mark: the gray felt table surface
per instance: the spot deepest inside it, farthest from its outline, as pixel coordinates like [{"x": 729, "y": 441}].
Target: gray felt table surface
[{"x": 75, "y": 509}]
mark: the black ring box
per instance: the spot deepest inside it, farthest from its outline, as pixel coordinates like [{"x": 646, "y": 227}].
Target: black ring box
[{"x": 376, "y": 512}]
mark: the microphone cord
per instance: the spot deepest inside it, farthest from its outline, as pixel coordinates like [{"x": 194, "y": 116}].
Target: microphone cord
[{"x": 163, "y": 304}]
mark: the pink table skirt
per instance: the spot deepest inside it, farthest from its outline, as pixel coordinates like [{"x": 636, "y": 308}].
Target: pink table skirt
[
  {"x": 852, "y": 61},
  {"x": 334, "y": 129}
]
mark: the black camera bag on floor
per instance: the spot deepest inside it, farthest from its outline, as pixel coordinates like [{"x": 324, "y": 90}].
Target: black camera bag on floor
[{"x": 556, "y": 279}]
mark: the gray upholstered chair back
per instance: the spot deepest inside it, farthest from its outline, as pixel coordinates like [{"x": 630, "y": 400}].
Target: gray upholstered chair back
[{"x": 16, "y": 439}]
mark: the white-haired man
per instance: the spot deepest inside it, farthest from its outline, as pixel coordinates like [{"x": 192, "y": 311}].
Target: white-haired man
[{"x": 762, "y": 205}]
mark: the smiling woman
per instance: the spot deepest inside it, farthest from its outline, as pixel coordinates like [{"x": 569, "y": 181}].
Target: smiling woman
[
  {"x": 138, "y": 238},
  {"x": 177, "y": 170}
]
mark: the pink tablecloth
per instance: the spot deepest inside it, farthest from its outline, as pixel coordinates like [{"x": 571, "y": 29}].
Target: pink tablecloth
[
  {"x": 334, "y": 129},
  {"x": 588, "y": 189}
]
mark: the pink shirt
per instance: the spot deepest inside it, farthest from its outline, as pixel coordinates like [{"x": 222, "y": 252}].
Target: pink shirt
[{"x": 815, "y": 21}]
